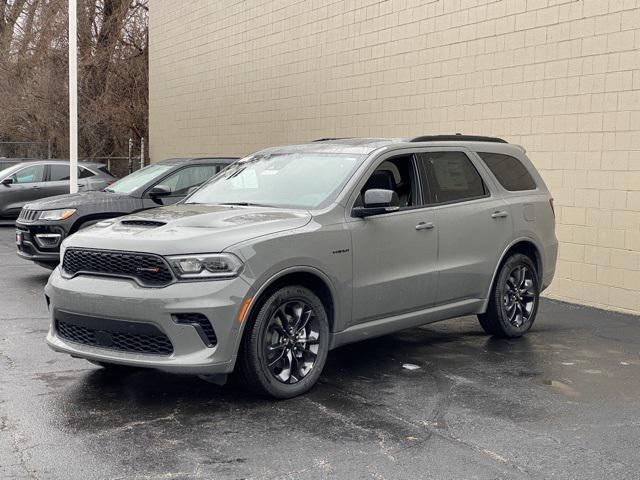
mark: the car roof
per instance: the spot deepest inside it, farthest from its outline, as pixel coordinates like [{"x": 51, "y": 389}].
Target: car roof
[
  {"x": 62, "y": 162},
  {"x": 180, "y": 160},
  {"x": 365, "y": 146}
]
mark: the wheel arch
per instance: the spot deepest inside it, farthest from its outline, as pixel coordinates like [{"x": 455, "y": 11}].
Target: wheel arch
[
  {"x": 525, "y": 246},
  {"x": 307, "y": 276}
]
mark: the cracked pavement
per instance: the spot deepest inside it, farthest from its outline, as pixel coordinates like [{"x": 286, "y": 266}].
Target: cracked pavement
[{"x": 562, "y": 402}]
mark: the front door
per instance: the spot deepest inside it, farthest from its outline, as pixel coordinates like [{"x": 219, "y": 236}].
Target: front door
[
  {"x": 28, "y": 185},
  {"x": 394, "y": 254},
  {"x": 474, "y": 225}
]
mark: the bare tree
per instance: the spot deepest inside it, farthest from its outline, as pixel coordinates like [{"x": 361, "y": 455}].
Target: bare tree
[{"x": 113, "y": 73}]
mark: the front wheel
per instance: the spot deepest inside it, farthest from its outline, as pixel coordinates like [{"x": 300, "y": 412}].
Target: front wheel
[
  {"x": 285, "y": 345},
  {"x": 514, "y": 300}
]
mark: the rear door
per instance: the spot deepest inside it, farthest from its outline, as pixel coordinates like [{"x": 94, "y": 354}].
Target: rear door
[
  {"x": 58, "y": 179},
  {"x": 474, "y": 225}
]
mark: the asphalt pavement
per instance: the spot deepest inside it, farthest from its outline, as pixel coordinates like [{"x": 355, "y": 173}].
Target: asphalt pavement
[{"x": 561, "y": 403}]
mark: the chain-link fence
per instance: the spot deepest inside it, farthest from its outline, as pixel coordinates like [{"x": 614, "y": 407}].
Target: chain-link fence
[
  {"x": 34, "y": 150},
  {"x": 119, "y": 166}
]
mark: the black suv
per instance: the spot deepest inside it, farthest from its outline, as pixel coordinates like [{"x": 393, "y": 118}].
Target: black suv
[{"x": 42, "y": 225}]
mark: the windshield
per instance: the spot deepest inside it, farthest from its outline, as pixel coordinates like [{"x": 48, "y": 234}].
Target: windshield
[
  {"x": 138, "y": 178},
  {"x": 294, "y": 180}
]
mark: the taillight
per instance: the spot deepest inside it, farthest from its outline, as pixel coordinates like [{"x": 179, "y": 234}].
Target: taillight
[{"x": 552, "y": 209}]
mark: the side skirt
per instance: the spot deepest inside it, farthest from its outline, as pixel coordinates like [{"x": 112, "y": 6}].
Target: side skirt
[{"x": 384, "y": 326}]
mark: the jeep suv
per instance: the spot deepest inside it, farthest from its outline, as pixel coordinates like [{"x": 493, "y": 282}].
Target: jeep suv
[{"x": 294, "y": 251}]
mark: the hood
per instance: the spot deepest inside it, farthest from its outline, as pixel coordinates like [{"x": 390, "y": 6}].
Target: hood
[
  {"x": 75, "y": 200},
  {"x": 185, "y": 229}
]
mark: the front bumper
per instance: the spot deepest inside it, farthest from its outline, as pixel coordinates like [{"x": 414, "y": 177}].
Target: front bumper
[
  {"x": 119, "y": 301},
  {"x": 39, "y": 243}
]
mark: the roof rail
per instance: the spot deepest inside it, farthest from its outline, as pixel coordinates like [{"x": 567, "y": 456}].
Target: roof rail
[
  {"x": 330, "y": 138},
  {"x": 458, "y": 137}
]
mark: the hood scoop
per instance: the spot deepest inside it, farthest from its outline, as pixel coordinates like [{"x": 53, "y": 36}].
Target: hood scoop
[{"x": 143, "y": 223}]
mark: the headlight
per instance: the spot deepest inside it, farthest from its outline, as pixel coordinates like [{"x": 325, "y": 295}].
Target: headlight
[
  {"x": 54, "y": 215},
  {"x": 205, "y": 266}
]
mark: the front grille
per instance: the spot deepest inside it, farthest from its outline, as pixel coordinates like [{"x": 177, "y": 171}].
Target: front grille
[
  {"x": 150, "y": 270},
  {"x": 202, "y": 325},
  {"x": 133, "y": 337},
  {"x": 143, "y": 223},
  {"x": 28, "y": 215}
]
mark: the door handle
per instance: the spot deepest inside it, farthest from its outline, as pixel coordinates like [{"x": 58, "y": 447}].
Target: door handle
[
  {"x": 501, "y": 214},
  {"x": 424, "y": 226},
  {"x": 36, "y": 187}
]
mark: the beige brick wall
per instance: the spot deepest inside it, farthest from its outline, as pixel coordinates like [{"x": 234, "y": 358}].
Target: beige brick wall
[{"x": 561, "y": 77}]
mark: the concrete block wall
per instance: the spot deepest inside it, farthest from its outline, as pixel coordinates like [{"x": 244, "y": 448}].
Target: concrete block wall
[{"x": 560, "y": 77}]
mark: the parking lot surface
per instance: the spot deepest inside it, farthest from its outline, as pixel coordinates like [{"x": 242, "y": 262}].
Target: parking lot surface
[{"x": 562, "y": 402}]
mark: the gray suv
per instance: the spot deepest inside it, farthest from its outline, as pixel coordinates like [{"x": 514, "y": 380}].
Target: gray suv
[
  {"x": 29, "y": 181},
  {"x": 294, "y": 251}
]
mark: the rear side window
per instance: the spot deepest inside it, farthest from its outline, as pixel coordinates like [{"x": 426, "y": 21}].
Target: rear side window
[
  {"x": 451, "y": 177},
  {"x": 84, "y": 173},
  {"x": 58, "y": 172},
  {"x": 509, "y": 171}
]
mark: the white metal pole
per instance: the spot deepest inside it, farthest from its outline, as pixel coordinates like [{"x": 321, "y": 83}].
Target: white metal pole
[{"x": 73, "y": 97}]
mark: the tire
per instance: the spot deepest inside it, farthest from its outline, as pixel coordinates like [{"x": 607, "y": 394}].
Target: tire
[
  {"x": 514, "y": 299},
  {"x": 275, "y": 360}
]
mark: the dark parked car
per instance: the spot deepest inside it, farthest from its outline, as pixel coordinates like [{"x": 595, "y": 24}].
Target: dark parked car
[
  {"x": 28, "y": 181},
  {"x": 43, "y": 225}
]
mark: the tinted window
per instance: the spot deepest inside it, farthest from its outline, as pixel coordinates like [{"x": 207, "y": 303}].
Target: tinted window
[
  {"x": 84, "y": 173},
  {"x": 181, "y": 181},
  {"x": 58, "y": 173},
  {"x": 31, "y": 174},
  {"x": 451, "y": 177},
  {"x": 509, "y": 171}
]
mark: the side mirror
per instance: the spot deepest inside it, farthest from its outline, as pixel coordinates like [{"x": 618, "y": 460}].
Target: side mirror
[
  {"x": 7, "y": 181},
  {"x": 377, "y": 201},
  {"x": 160, "y": 191}
]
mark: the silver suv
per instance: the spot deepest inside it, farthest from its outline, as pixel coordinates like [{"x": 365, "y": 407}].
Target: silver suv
[{"x": 293, "y": 251}]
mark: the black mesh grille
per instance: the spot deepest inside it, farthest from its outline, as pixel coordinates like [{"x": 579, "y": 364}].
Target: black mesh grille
[
  {"x": 202, "y": 324},
  {"x": 150, "y": 270},
  {"x": 105, "y": 337}
]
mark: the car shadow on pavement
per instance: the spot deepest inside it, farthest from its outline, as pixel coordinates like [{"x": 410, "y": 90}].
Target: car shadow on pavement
[{"x": 365, "y": 374}]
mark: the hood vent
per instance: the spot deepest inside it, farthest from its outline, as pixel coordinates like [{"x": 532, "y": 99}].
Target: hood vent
[{"x": 143, "y": 223}]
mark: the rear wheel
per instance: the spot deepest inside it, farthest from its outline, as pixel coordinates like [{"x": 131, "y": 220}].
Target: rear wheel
[
  {"x": 514, "y": 300},
  {"x": 285, "y": 344}
]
